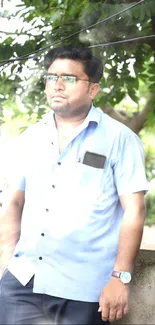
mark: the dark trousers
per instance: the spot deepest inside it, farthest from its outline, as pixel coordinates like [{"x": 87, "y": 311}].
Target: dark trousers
[{"x": 19, "y": 305}]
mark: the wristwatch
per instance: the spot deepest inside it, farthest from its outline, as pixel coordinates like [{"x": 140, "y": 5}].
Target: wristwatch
[{"x": 125, "y": 277}]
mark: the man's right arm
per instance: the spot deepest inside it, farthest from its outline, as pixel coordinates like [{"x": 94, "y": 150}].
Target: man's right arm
[{"x": 10, "y": 226}]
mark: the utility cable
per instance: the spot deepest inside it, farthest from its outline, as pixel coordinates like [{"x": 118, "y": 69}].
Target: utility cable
[
  {"x": 114, "y": 43},
  {"x": 32, "y": 54},
  {"x": 122, "y": 41}
]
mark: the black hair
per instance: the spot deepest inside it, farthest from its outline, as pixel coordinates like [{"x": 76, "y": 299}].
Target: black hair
[{"x": 93, "y": 66}]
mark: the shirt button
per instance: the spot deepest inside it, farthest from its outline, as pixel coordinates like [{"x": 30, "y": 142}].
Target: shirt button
[
  {"x": 47, "y": 210},
  {"x": 42, "y": 234},
  {"x": 40, "y": 258},
  {"x": 53, "y": 186},
  {"x": 59, "y": 163},
  {"x": 52, "y": 142}
]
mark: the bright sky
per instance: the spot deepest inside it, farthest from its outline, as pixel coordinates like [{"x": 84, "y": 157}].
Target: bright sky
[
  {"x": 11, "y": 24},
  {"x": 10, "y": 5},
  {"x": 14, "y": 23}
]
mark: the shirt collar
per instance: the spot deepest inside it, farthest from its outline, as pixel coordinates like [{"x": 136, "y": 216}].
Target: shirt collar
[{"x": 94, "y": 115}]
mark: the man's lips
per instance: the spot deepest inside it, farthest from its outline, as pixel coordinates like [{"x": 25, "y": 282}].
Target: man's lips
[{"x": 58, "y": 96}]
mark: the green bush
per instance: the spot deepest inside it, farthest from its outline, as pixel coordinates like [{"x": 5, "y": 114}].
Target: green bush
[{"x": 150, "y": 206}]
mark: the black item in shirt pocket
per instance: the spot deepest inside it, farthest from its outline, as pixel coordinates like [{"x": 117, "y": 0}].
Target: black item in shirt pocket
[{"x": 94, "y": 160}]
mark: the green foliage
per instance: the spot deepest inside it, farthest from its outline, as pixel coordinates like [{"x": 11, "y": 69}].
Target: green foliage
[
  {"x": 129, "y": 74},
  {"x": 147, "y": 135},
  {"x": 52, "y": 21},
  {"x": 150, "y": 206}
]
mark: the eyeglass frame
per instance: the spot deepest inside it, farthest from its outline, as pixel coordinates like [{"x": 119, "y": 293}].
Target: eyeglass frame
[{"x": 76, "y": 79}]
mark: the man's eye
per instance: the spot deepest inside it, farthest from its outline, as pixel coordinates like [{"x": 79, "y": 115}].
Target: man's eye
[
  {"x": 51, "y": 78},
  {"x": 69, "y": 79}
]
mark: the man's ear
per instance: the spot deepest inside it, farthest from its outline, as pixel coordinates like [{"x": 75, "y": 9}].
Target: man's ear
[{"x": 94, "y": 89}]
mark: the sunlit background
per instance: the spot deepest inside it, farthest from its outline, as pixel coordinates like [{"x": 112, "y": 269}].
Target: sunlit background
[{"x": 121, "y": 33}]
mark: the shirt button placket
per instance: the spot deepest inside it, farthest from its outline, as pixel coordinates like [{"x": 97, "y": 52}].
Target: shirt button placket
[{"x": 40, "y": 257}]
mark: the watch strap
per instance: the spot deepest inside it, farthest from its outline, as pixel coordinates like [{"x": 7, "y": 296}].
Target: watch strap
[{"x": 116, "y": 274}]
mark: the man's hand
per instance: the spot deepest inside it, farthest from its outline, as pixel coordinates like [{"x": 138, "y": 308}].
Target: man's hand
[{"x": 113, "y": 302}]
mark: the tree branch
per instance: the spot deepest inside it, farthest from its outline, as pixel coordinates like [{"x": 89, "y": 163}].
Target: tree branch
[
  {"x": 11, "y": 33},
  {"x": 135, "y": 122},
  {"x": 117, "y": 115}
]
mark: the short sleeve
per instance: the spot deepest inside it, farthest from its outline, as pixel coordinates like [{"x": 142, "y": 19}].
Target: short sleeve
[{"x": 129, "y": 169}]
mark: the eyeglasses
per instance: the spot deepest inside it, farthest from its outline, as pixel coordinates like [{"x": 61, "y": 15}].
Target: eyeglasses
[{"x": 66, "y": 79}]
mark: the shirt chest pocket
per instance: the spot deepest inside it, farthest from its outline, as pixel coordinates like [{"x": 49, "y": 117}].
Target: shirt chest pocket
[{"x": 90, "y": 178}]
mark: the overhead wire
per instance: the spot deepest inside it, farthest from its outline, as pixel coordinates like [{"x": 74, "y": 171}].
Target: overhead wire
[
  {"x": 113, "y": 43},
  {"x": 123, "y": 41},
  {"x": 32, "y": 54}
]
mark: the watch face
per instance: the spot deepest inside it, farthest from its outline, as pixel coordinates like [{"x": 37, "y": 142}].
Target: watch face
[{"x": 125, "y": 277}]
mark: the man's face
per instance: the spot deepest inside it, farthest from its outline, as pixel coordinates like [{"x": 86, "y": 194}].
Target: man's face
[{"x": 66, "y": 98}]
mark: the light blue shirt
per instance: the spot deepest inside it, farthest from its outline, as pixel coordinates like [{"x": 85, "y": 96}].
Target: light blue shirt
[{"x": 72, "y": 213}]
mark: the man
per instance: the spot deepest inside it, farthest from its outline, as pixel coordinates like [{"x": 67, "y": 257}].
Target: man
[{"x": 79, "y": 197}]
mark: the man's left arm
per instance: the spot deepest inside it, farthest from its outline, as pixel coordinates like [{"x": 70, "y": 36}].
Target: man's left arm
[{"x": 114, "y": 297}]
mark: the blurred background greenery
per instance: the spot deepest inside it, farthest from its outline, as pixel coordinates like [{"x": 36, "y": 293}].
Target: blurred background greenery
[{"x": 28, "y": 29}]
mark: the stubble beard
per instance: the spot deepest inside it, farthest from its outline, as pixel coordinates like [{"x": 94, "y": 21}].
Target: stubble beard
[
  {"x": 60, "y": 109},
  {"x": 67, "y": 110}
]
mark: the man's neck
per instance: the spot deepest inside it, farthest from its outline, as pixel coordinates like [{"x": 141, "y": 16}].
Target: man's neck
[
  {"x": 68, "y": 123},
  {"x": 67, "y": 129}
]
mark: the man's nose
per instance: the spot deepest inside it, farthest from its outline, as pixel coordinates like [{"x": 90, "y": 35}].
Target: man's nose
[{"x": 59, "y": 84}]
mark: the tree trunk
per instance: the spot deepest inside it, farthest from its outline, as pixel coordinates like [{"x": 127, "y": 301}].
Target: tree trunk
[{"x": 135, "y": 122}]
